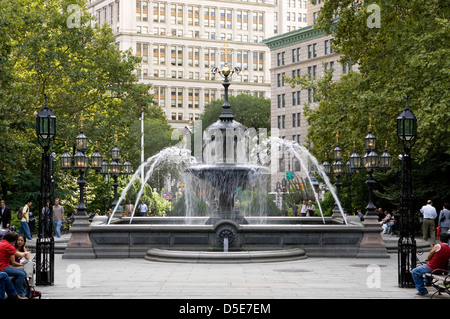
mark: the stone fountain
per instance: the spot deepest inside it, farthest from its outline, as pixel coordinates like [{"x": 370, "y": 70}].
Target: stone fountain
[{"x": 226, "y": 235}]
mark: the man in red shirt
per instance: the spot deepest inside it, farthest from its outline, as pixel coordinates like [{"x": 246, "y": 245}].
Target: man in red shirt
[
  {"x": 7, "y": 250},
  {"x": 436, "y": 259}
]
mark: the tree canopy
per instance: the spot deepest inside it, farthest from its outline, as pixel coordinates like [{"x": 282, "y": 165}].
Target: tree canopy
[
  {"x": 407, "y": 55},
  {"x": 87, "y": 80},
  {"x": 250, "y": 111}
]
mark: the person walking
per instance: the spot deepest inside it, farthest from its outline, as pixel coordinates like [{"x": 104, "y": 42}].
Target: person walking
[
  {"x": 46, "y": 219},
  {"x": 437, "y": 259},
  {"x": 428, "y": 224},
  {"x": 294, "y": 210},
  {"x": 303, "y": 209},
  {"x": 310, "y": 208},
  {"x": 58, "y": 214},
  {"x": 128, "y": 209},
  {"x": 24, "y": 228},
  {"x": 444, "y": 218},
  {"x": 5, "y": 215},
  {"x": 142, "y": 208}
]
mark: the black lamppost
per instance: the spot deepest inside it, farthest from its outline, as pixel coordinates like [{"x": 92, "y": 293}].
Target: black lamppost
[
  {"x": 407, "y": 135},
  {"x": 371, "y": 162},
  {"x": 79, "y": 240},
  {"x": 81, "y": 164},
  {"x": 337, "y": 168},
  {"x": 116, "y": 169},
  {"x": 45, "y": 131},
  {"x": 349, "y": 171}
]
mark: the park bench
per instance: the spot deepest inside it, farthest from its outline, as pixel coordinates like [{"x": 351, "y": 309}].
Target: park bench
[{"x": 440, "y": 280}]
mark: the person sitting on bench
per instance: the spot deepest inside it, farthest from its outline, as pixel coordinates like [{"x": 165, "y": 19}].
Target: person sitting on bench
[{"x": 436, "y": 259}]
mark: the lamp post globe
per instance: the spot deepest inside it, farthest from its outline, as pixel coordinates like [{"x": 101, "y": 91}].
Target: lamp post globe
[
  {"x": 407, "y": 127},
  {"x": 385, "y": 159},
  {"x": 96, "y": 160},
  {"x": 127, "y": 168},
  {"x": 66, "y": 160},
  {"x": 355, "y": 159},
  {"x": 45, "y": 125}
]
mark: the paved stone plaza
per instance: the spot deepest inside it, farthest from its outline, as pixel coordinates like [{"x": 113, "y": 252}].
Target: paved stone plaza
[{"x": 311, "y": 278}]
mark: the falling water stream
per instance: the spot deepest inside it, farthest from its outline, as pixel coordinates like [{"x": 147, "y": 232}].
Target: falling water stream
[{"x": 182, "y": 159}]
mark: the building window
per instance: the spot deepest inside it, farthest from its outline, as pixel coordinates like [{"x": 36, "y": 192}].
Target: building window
[
  {"x": 193, "y": 57},
  {"x": 225, "y": 19},
  {"x": 209, "y": 58},
  {"x": 242, "y": 20},
  {"x": 160, "y": 95},
  {"x": 258, "y": 61},
  {"x": 159, "y": 54},
  {"x": 176, "y": 55},
  {"x": 258, "y": 21},
  {"x": 142, "y": 51},
  {"x": 176, "y": 14},
  {"x": 210, "y": 95},
  {"x": 159, "y": 12},
  {"x": 176, "y": 97},
  {"x": 209, "y": 17},
  {"x": 193, "y": 15},
  {"x": 193, "y": 98},
  {"x": 242, "y": 60}
]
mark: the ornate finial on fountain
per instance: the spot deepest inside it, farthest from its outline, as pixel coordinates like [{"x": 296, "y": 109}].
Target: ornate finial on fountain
[{"x": 226, "y": 72}]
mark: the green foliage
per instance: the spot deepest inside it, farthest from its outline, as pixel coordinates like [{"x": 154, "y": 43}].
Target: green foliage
[
  {"x": 298, "y": 190},
  {"x": 250, "y": 111},
  {"x": 85, "y": 77},
  {"x": 156, "y": 204},
  {"x": 407, "y": 55}
]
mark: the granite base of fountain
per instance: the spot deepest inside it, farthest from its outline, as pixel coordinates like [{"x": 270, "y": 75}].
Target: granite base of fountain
[{"x": 267, "y": 239}]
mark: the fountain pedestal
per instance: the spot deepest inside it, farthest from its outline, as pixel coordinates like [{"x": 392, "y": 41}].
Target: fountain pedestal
[
  {"x": 79, "y": 245},
  {"x": 372, "y": 245}
]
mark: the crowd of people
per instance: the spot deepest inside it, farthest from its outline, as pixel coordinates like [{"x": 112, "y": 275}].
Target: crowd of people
[
  {"x": 14, "y": 262},
  {"x": 306, "y": 209}
]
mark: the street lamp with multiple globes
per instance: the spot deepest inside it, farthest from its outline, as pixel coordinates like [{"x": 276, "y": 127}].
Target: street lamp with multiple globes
[
  {"x": 81, "y": 163},
  {"x": 46, "y": 132},
  {"x": 337, "y": 168},
  {"x": 80, "y": 245},
  {"x": 371, "y": 161},
  {"x": 116, "y": 169},
  {"x": 407, "y": 136}
]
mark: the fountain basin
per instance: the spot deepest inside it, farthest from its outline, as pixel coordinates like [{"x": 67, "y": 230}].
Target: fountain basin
[
  {"x": 213, "y": 257},
  {"x": 332, "y": 239}
]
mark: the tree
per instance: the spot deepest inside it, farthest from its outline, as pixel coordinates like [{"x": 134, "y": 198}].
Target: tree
[
  {"x": 406, "y": 55},
  {"x": 82, "y": 72},
  {"x": 250, "y": 111}
]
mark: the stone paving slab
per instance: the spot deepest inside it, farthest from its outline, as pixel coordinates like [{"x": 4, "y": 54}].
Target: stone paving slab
[{"x": 311, "y": 278}]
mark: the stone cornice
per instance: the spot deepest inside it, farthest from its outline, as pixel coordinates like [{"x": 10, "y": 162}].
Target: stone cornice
[{"x": 296, "y": 36}]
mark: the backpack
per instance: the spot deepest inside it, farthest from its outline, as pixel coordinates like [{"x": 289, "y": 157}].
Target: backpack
[{"x": 19, "y": 213}]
